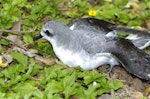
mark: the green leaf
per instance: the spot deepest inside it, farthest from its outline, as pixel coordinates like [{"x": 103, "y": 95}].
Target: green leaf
[
  {"x": 69, "y": 91},
  {"x": 135, "y": 22},
  {"x": 56, "y": 96},
  {"x": 12, "y": 96},
  {"x": 93, "y": 76},
  {"x": 91, "y": 92},
  {"x": 50, "y": 73},
  {"x": 2, "y": 95},
  {"x": 52, "y": 88},
  {"x": 4, "y": 42},
  {"x": 1, "y": 50},
  {"x": 33, "y": 68},
  {"x": 21, "y": 58},
  {"x": 27, "y": 39},
  {"x": 69, "y": 85},
  {"x": 45, "y": 48},
  {"x": 117, "y": 84},
  {"x": 38, "y": 94},
  {"x": 24, "y": 88},
  {"x": 28, "y": 22},
  {"x": 122, "y": 35},
  {"x": 69, "y": 80}
]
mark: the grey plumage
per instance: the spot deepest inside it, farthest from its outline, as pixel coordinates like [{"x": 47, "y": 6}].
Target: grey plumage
[
  {"x": 140, "y": 39},
  {"x": 93, "y": 49}
]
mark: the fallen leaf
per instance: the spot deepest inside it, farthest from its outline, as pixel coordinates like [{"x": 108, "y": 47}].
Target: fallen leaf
[
  {"x": 45, "y": 61},
  {"x": 8, "y": 57},
  {"x": 147, "y": 91},
  {"x": 148, "y": 97},
  {"x": 109, "y": 0},
  {"x": 148, "y": 23},
  {"x": 33, "y": 51},
  {"x": 1, "y": 63},
  {"x": 17, "y": 25},
  {"x": 30, "y": 53},
  {"x": 136, "y": 95},
  {"x": 15, "y": 39},
  {"x": 135, "y": 6}
]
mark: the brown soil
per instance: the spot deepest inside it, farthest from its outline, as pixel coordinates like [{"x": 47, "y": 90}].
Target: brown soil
[{"x": 133, "y": 88}]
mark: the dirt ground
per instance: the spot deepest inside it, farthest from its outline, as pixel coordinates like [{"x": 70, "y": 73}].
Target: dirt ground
[{"x": 133, "y": 88}]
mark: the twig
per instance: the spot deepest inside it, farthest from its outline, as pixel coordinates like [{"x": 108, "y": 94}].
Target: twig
[
  {"x": 1, "y": 33},
  {"x": 16, "y": 32},
  {"x": 14, "y": 43}
]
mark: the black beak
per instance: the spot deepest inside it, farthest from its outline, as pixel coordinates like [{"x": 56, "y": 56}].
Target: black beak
[{"x": 37, "y": 37}]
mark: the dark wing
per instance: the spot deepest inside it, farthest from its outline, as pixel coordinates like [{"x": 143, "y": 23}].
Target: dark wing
[
  {"x": 132, "y": 31},
  {"x": 105, "y": 26},
  {"x": 140, "y": 39},
  {"x": 92, "y": 24},
  {"x": 134, "y": 60}
]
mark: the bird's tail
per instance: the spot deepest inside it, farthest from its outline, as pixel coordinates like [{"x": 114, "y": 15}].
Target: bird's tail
[{"x": 134, "y": 60}]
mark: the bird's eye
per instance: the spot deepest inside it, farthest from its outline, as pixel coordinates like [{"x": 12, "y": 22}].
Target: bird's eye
[{"x": 48, "y": 33}]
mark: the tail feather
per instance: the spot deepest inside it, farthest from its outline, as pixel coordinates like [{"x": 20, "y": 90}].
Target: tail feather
[{"x": 134, "y": 60}]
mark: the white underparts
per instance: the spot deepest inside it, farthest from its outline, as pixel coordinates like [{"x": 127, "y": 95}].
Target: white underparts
[{"x": 83, "y": 59}]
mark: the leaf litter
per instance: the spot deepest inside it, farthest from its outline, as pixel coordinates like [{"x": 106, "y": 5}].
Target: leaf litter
[
  {"x": 33, "y": 53},
  {"x": 27, "y": 64}
]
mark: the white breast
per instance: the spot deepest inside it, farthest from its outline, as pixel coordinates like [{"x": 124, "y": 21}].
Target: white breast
[
  {"x": 70, "y": 58},
  {"x": 83, "y": 59}
]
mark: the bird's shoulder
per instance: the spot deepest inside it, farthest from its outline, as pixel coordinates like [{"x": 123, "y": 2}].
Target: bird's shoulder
[{"x": 90, "y": 41}]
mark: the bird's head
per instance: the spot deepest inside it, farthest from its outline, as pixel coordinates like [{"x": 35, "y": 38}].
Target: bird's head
[{"x": 52, "y": 30}]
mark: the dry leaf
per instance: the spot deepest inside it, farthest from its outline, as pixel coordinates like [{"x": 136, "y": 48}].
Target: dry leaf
[
  {"x": 8, "y": 57},
  {"x": 135, "y": 6},
  {"x": 148, "y": 23},
  {"x": 109, "y": 0},
  {"x": 33, "y": 53},
  {"x": 147, "y": 91},
  {"x": 148, "y": 97},
  {"x": 30, "y": 53},
  {"x": 136, "y": 95},
  {"x": 45, "y": 61},
  {"x": 17, "y": 26},
  {"x": 15, "y": 39},
  {"x": 1, "y": 63}
]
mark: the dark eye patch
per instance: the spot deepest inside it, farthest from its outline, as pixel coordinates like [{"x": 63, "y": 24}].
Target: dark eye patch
[{"x": 48, "y": 33}]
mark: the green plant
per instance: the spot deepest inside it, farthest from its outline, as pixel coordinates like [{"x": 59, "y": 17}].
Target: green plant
[{"x": 26, "y": 79}]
